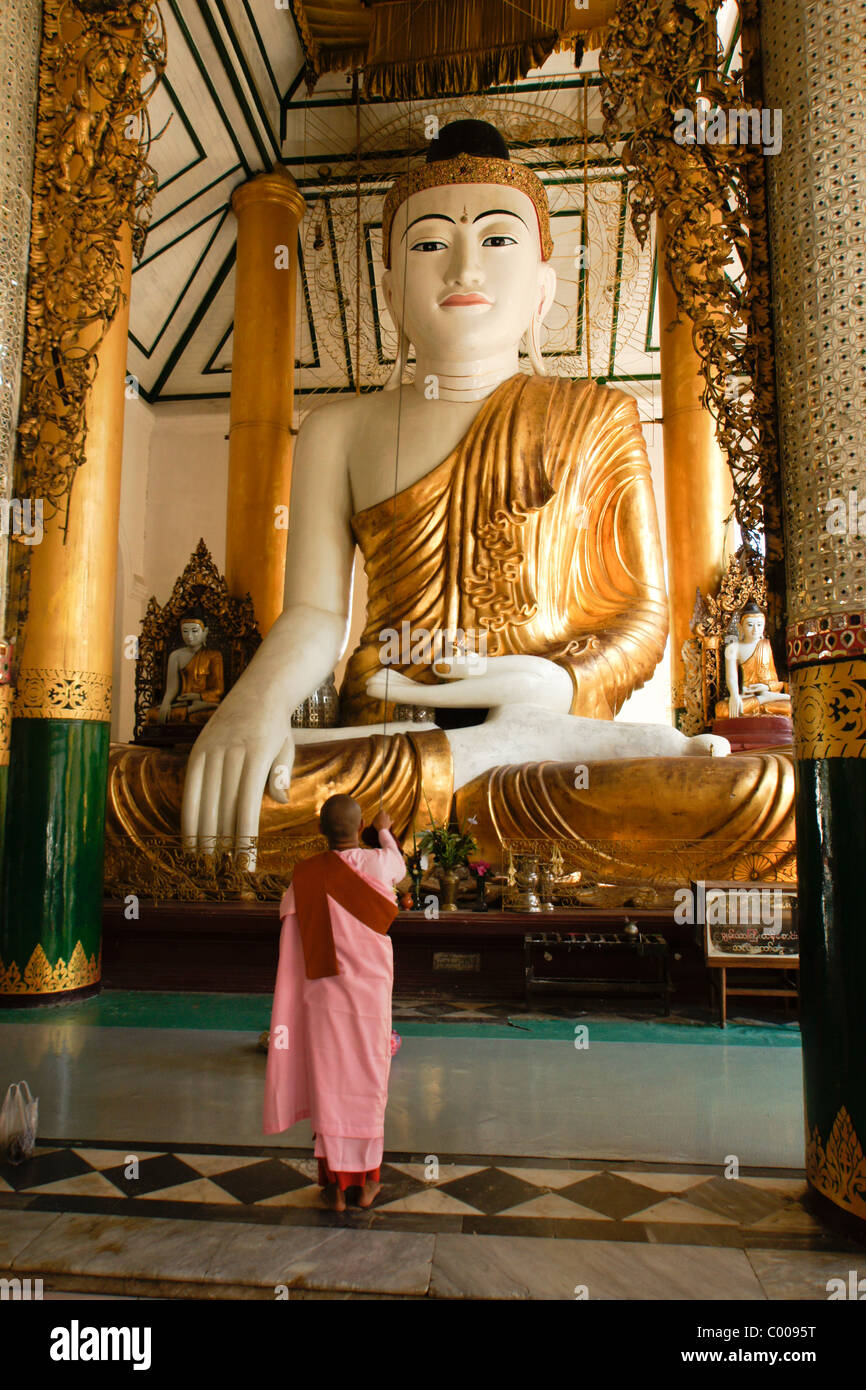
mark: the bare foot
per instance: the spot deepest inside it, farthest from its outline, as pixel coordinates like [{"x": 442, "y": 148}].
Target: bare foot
[
  {"x": 334, "y": 1197},
  {"x": 369, "y": 1193}
]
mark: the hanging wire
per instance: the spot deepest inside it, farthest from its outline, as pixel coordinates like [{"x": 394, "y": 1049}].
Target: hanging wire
[
  {"x": 356, "y": 86},
  {"x": 400, "y": 333},
  {"x": 586, "y": 223}
]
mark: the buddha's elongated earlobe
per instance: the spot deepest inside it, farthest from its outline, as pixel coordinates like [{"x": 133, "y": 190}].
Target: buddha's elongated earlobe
[
  {"x": 395, "y": 380},
  {"x": 533, "y": 346}
]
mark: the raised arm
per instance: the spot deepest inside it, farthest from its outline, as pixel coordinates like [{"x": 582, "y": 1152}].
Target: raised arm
[{"x": 247, "y": 743}]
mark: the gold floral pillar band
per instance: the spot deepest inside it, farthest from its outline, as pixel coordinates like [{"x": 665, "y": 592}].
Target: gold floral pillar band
[{"x": 830, "y": 710}]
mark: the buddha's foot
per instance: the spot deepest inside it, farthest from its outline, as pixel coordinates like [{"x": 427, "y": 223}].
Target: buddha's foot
[{"x": 708, "y": 746}]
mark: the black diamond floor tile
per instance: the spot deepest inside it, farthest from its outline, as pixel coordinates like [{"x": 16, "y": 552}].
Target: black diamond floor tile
[
  {"x": 611, "y": 1195},
  {"x": 163, "y": 1170},
  {"x": 490, "y": 1191},
  {"x": 256, "y": 1181},
  {"x": 396, "y": 1185},
  {"x": 739, "y": 1203},
  {"x": 43, "y": 1168}
]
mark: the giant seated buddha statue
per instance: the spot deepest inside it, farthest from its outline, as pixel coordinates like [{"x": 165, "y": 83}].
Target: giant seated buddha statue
[{"x": 513, "y": 506}]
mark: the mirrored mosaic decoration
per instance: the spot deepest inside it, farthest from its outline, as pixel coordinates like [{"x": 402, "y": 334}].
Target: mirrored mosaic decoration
[
  {"x": 813, "y": 60},
  {"x": 20, "y": 25}
]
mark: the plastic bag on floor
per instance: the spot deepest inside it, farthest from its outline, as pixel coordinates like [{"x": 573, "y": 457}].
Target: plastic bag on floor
[{"x": 18, "y": 1119}]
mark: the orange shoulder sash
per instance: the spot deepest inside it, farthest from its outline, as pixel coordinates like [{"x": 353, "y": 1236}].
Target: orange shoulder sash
[{"x": 328, "y": 876}]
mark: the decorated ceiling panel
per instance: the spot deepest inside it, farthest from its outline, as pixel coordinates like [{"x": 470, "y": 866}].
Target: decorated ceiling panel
[{"x": 235, "y": 102}]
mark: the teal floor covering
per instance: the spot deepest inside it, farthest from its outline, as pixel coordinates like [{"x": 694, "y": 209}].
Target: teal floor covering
[{"x": 251, "y": 1013}]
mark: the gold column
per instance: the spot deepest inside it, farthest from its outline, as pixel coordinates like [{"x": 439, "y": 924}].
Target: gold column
[
  {"x": 698, "y": 487},
  {"x": 67, "y": 650},
  {"x": 269, "y": 209}
]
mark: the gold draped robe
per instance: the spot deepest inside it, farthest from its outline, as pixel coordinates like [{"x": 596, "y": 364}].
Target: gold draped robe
[
  {"x": 758, "y": 669},
  {"x": 540, "y": 531}
]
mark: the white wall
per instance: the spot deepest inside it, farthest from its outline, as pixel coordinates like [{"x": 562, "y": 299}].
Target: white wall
[{"x": 173, "y": 493}]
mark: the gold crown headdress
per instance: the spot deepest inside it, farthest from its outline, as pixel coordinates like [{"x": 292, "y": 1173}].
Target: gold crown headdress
[{"x": 466, "y": 167}]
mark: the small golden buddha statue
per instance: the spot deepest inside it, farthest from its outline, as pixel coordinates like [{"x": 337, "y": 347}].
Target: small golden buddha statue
[
  {"x": 194, "y": 683},
  {"x": 753, "y": 686}
]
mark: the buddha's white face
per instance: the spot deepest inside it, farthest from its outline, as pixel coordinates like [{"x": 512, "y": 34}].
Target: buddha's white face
[
  {"x": 193, "y": 632},
  {"x": 751, "y": 627},
  {"x": 466, "y": 272}
]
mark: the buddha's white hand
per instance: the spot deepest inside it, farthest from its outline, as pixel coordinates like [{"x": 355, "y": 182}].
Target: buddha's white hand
[
  {"x": 735, "y": 705},
  {"x": 391, "y": 685},
  {"x": 460, "y": 667},
  {"x": 246, "y": 745}
]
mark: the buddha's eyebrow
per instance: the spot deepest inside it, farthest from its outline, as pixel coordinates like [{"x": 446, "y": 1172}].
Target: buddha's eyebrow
[
  {"x": 506, "y": 212},
  {"x": 429, "y": 217}
]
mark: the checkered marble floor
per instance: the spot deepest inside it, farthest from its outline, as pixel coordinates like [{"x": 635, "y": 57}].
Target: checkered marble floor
[{"x": 572, "y": 1199}]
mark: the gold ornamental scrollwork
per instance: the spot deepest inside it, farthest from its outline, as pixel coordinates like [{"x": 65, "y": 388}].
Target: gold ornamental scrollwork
[
  {"x": 659, "y": 61},
  {"x": 49, "y": 694},
  {"x": 41, "y": 977},
  {"x": 838, "y": 1168},
  {"x": 830, "y": 710},
  {"x": 99, "y": 63},
  {"x": 642, "y": 873},
  {"x": 7, "y": 694},
  {"x": 158, "y": 868}
]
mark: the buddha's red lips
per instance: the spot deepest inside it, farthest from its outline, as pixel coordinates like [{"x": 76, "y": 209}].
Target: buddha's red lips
[{"x": 457, "y": 300}]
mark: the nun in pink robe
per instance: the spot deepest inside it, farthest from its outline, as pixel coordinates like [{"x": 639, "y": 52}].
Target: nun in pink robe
[{"x": 329, "y": 1056}]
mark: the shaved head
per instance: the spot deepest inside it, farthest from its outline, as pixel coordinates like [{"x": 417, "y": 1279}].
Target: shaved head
[{"x": 340, "y": 819}]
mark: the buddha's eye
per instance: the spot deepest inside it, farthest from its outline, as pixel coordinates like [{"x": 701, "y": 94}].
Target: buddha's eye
[
  {"x": 430, "y": 246},
  {"x": 499, "y": 241}
]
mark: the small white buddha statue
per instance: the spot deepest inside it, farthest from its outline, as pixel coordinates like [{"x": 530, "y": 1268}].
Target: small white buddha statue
[
  {"x": 194, "y": 682},
  {"x": 753, "y": 686}
]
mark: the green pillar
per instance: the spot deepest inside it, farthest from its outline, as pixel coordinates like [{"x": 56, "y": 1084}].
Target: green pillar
[{"x": 52, "y": 890}]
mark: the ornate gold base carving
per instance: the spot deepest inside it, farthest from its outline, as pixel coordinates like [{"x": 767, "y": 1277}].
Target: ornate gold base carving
[
  {"x": 159, "y": 869},
  {"x": 830, "y": 710},
  {"x": 838, "y": 1170},
  {"x": 41, "y": 977},
  {"x": 7, "y": 695},
  {"x": 47, "y": 694}
]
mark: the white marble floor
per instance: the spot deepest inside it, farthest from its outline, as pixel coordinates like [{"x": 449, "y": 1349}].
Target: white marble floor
[{"x": 654, "y": 1101}]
